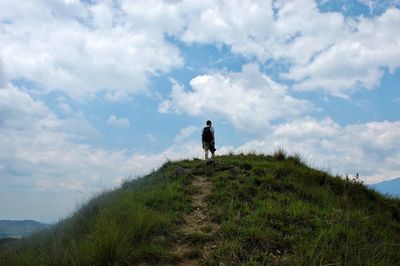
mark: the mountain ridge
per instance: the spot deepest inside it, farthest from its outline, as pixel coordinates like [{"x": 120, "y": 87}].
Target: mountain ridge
[
  {"x": 19, "y": 228},
  {"x": 390, "y": 187}
]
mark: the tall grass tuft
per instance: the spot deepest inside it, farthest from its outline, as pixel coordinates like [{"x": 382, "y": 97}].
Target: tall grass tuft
[{"x": 279, "y": 154}]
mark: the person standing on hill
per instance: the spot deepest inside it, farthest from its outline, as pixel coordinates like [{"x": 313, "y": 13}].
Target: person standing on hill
[{"x": 208, "y": 140}]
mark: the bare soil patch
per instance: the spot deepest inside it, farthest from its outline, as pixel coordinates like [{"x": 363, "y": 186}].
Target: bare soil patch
[{"x": 196, "y": 236}]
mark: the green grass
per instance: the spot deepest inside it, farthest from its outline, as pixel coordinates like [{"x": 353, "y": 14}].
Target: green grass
[
  {"x": 129, "y": 225},
  {"x": 272, "y": 210},
  {"x": 277, "y": 210}
]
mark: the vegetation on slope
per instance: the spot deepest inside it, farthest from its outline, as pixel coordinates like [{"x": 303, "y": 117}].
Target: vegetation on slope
[
  {"x": 126, "y": 226},
  {"x": 270, "y": 210}
]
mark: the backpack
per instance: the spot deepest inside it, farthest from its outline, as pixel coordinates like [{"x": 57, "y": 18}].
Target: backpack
[{"x": 207, "y": 134}]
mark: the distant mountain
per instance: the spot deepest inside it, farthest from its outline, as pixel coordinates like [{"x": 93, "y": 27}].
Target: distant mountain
[
  {"x": 18, "y": 229},
  {"x": 390, "y": 187}
]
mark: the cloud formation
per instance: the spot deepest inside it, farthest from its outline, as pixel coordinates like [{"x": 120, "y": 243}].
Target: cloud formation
[
  {"x": 248, "y": 99},
  {"x": 38, "y": 148},
  {"x": 42, "y": 153},
  {"x": 113, "y": 48},
  {"x": 81, "y": 49},
  {"x": 118, "y": 122},
  {"x": 186, "y": 133},
  {"x": 323, "y": 51},
  {"x": 372, "y": 148},
  {"x": 356, "y": 59}
]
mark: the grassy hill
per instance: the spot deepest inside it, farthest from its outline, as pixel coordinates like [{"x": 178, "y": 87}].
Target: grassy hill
[{"x": 244, "y": 209}]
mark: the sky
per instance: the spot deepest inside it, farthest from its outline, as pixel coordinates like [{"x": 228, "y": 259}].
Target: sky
[{"x": 93, "y": 93}]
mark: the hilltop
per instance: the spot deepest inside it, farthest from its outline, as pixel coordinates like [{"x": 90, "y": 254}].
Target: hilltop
[{"x": 244, "y": 209}]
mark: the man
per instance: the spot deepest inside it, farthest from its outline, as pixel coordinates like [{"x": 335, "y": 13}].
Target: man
[{"x": 208, "y": 139}]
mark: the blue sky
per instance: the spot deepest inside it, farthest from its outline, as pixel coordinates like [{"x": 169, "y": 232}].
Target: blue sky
[{"x": 94, "y": 92}]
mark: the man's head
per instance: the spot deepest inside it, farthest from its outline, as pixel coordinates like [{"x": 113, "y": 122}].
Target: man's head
[{"x": 208, "y": 123}]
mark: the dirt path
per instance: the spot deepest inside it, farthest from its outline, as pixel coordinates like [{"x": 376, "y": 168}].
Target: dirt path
[{"x": 196, "y": 236}]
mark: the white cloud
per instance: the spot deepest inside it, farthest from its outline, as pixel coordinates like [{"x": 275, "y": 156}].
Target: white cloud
[
  {"x": 85, "y": 49},
  {"x": 81, "y": 49},
  {"x": 39, "y": 155},
  {"x": 325, "y": 51},
  {"x": 307, "y": 127},
  {"x": 118, "y": 122},
  {"x": 354, "y": 60},
  {"x": 249, "y": 99},
  {"x": 151, "y": 138},
  {"x": 2, "y": 75},
  {"x": 37, "y": 146},
  {"x": 377, "y": 5},
  {"x": 372, "y": 149},
  {"x": 63, "y": 106},
  {"x": 185, "y": 133}
]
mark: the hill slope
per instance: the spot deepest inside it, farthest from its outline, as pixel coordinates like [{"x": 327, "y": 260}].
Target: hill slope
[{"x": 245, "y": 209}]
